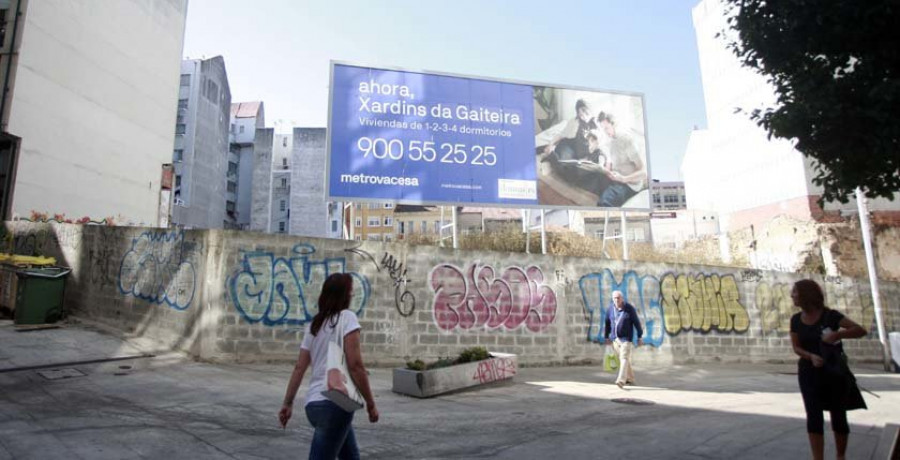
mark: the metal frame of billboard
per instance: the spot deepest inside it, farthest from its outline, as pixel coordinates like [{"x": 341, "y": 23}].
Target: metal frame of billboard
[{"x": 329, "y": 197}]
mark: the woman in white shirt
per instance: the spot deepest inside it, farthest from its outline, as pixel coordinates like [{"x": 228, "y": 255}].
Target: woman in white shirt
[{"x": 333, "y": 435}]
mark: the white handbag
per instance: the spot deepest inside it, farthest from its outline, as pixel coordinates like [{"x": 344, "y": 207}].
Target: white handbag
[{"x": 341, "y": 389}]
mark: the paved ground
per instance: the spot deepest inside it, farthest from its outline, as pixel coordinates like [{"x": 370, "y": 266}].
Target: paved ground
[{"x": 173, "y": 408}]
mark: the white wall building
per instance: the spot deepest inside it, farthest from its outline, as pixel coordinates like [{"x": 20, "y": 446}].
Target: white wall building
[{"x": 103, "y": 77}]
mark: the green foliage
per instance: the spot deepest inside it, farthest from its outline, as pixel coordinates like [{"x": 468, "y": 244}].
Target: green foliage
[
  {"x": 466, "y": 356},
  {"x": 417, "y": 365},
  {"x": 473, "y": 354},
  {"x": 835, "y": 68}
]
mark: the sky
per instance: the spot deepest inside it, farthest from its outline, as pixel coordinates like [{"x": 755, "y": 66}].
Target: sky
[{"x": 278, "y": 51}]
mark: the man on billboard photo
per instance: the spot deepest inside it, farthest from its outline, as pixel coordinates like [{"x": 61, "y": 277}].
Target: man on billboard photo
[{"x": 626, "y": 169}]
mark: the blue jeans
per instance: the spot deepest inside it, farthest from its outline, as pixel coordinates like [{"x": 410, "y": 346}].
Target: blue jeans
[
  {"x": 615, "y": 195},
  {"x": 334, "y": 432}
]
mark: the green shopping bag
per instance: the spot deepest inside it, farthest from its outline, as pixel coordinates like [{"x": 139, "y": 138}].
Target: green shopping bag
[{"x": 611, "y": 360}]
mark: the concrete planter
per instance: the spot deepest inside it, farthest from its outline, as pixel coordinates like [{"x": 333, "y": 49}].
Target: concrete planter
[{"x": 425, "y": 384}]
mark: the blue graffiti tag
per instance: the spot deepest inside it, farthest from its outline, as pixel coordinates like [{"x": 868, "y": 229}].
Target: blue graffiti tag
[
  {"x": 156, "y": 269},
  {"x": 642, "y": 292},
  {"x": 277, "y": 290}
]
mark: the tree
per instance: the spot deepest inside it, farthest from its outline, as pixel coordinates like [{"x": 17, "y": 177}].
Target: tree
[{"x": 835, "y": 68}]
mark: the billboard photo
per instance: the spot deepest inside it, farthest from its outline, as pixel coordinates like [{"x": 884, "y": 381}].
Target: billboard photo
[{"x": 426, "y": 138}]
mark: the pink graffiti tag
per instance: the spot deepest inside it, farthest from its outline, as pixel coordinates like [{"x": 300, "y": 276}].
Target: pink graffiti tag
[
  {"x": 479, "y": 298},
  {"x": 492, "y": 370}
]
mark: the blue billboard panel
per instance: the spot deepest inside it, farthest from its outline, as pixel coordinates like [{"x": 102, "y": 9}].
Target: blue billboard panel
[{"x": 420, "y": 138}]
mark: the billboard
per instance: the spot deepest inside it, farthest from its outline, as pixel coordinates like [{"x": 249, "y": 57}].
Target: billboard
[{"x": 426, "y": 138}]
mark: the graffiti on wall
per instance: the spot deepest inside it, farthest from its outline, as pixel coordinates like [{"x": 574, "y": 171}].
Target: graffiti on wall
[
  {"x": 479, "y": 297},
  {"x": 642, "y": 292},
  {"x": 853, "y": 300},
  {"x": 285, "y": 290},
  {"x": 775, "y": 307},
  {"x": 404, "y": 301},
  {"x": 158, "y": 268},
  {"x": 703, "y": 303},
  {"x": 494, "y": 369}
]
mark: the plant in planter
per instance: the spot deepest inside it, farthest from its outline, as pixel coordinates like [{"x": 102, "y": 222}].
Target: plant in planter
[{"x": 474, "y": 366}]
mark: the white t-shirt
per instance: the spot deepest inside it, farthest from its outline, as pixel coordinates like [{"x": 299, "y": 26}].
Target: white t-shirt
[{"x": 318, "y": 350}]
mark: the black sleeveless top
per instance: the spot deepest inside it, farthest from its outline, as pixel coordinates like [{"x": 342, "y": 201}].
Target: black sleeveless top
[{"x": 811, "y": 336}]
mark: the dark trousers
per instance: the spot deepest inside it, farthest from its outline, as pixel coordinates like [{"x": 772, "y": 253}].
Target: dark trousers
[
  {"x": 812, "y": 388},
  {"x": 615, "y": 195}
]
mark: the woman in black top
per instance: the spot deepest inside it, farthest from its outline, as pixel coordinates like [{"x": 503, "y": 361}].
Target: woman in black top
[{"x": 814, "y": 326}]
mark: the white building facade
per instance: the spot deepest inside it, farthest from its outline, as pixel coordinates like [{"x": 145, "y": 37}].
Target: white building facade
[
  {"x": 104, "y": 76},
  {"x": 732, "y": 167}
]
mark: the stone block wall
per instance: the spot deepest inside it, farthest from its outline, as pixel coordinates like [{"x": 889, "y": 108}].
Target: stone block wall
[{"x": 246, "y": 296}]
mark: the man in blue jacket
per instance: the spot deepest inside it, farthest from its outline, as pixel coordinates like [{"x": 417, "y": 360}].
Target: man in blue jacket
[{"x": 621, "y": 322}]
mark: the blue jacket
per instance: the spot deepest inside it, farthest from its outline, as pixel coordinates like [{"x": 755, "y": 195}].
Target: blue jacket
[{"x": 628, "y": 322}]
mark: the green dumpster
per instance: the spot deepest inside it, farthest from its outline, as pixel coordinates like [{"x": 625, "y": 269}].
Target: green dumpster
[{"x": 39, "y": 294}]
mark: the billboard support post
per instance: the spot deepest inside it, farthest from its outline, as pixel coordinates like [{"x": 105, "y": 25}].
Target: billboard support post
[
  {"x": 347, "y": 227},
  {"x": 605, "y": 233},
  {"x": 441, "y": 229},
  {"x": 526, "y": 227},
  {"x": 543, "y": 235},
  {"x": 455, "y": 243}
]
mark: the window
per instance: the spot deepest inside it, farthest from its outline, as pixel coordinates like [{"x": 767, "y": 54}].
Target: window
[
  {"x": 358, "y": 238},
  {"x": 178, "y": 180},
  {"x": 232, "y": 187},
  {"x": 410, "y": 225},
  {"x": 284, "y": 142},
  {"x": 282, "y": 205},
  {"x": 656, "y": 198},
  {"x": 229, "y": 206},
  {"x": 182, "y": 103},
  {"x": 180, "y": 128},
  {"x": 424, "y": 227},
  {"x": 241, "y": 129},
  {"x": 359, "y": 221},
  {"x": 616, "y": 233},
  {"x": 232, "y": 167},
  {"x": 598, "y": 234},
  {"x": 388, "y": 237},
  {"x": 185, "y": 79},
  {"x": 211, "y": 92},
  {"x": 358, "y": 206},
  {"x": 388, "y": 221},
  {"x": 284, "y": 182},
  {"x": 374, "y": 222},
  {"x": 178, "y": 155},
  {"x": 281, "y": 227},
  {"x": 374, "y": 206},
  {"x": 334, "y": 227},
  {"x": 374, "y": 237},
  {"x": 400, "y": 227},
  {"x": 284, "y": 163},
  {"x": 437, "y": 226},
  {"x": 388, "y": 205}
]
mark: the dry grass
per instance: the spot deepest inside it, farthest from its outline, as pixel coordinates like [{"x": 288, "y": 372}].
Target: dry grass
[{"x": 573, "y": 244}]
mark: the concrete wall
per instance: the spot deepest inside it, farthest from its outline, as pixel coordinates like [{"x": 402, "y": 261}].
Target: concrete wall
[
  {"x": 309, "y": 211},
  {"x": 94, "y": 98},
  {"x": 228, "y": 295},
  {"x": 260, "y": 208}
]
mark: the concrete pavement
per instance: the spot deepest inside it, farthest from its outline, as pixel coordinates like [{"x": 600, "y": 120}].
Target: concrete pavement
[{"x": 167, "y": 406}]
